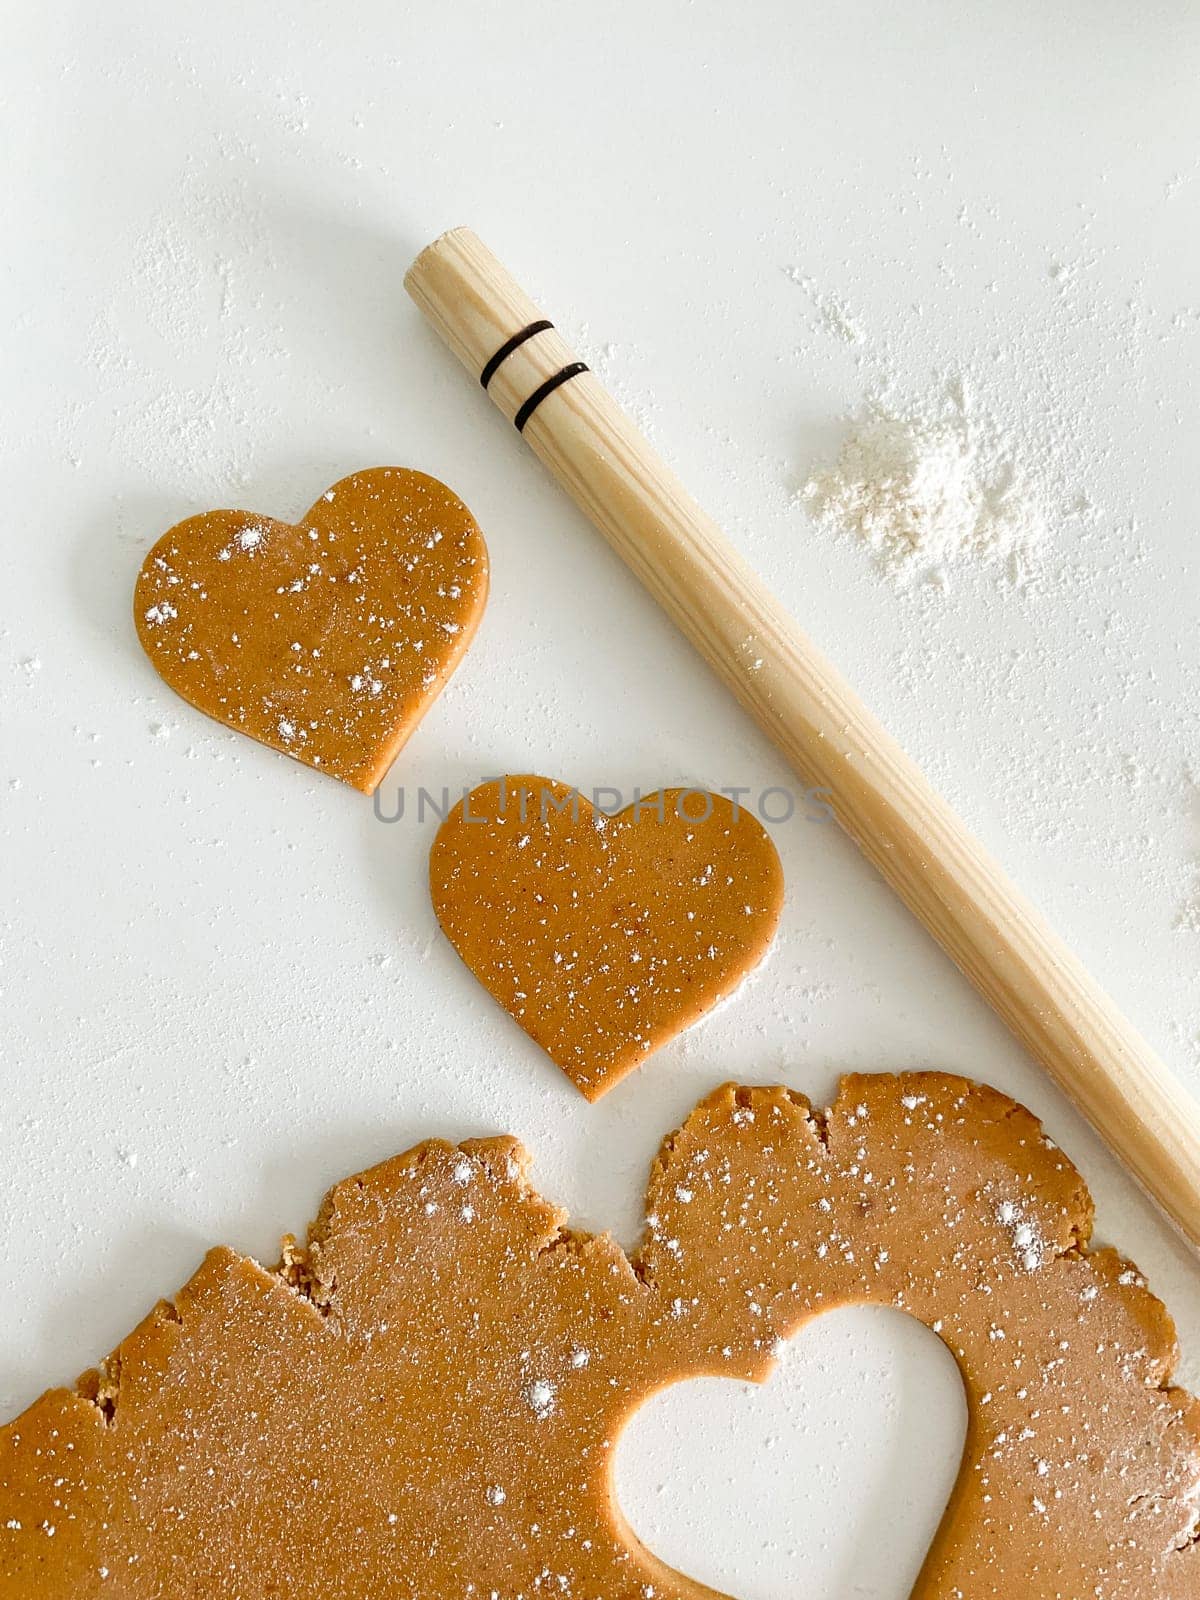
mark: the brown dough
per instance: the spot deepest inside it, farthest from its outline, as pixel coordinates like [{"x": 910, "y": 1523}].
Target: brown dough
[
  {"x": 422, "y": 1403},
  {"x": 328, "y": 639},
  {"x": 604, "y": 936}
]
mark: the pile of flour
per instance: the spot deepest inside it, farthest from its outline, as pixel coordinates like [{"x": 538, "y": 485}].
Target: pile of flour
[{"x": 931, "y": 485}]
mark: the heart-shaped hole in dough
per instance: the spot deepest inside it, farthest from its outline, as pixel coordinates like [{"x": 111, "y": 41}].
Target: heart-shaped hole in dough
[{"x": 829, "y": 1480}]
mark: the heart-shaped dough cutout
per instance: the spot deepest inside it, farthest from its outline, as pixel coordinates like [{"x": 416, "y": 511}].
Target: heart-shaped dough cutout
[
  {"x": 604, "y": 935},
  {"x": 327, "y": 639}
]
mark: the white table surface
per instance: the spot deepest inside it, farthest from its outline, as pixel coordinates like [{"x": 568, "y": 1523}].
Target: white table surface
[{"x": 222, "y": 983}]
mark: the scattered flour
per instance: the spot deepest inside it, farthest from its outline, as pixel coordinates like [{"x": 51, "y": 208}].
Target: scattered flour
[
  {"x": 187, "y": 355},
  {"x": 1030, "y": 1247},
  {"x": 1188, "y": 918},
  {"x": 540, "y": 1397},
  {"x": 834, "y": 313},
  {"x": 932, "y": 485}
]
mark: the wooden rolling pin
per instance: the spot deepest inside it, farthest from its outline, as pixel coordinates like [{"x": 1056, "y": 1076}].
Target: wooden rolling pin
[{"x": 943, "y": 875}]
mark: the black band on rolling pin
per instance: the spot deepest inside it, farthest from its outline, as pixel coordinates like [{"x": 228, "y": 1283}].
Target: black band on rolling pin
[
  {"x": 563, "y": 375},
  {"x": 507, "y": 348}
]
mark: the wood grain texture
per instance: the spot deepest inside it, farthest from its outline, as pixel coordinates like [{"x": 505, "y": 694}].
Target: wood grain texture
[{"x": 879, "y": 796}]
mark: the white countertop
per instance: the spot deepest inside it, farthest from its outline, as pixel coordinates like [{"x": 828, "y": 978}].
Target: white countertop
[{"x": 223, "y": 986}]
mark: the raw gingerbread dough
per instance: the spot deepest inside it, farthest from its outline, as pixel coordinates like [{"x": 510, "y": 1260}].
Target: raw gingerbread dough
[
  {"x": 604, "y": 936},
  {"x": 328, "y": 639},
  {"x": 422, "y": 1402}
]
